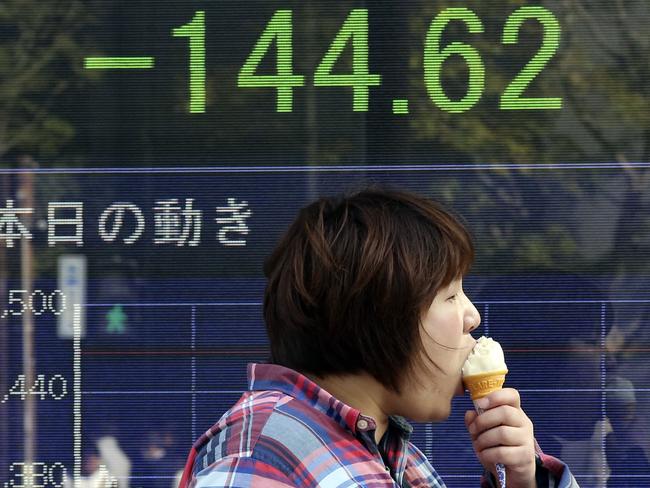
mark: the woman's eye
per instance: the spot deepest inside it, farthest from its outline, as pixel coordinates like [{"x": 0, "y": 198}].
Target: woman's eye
[{"x": 451, "y": 297}]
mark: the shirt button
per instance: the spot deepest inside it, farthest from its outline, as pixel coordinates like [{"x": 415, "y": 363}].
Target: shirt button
[{"x": 362, "y": 424}]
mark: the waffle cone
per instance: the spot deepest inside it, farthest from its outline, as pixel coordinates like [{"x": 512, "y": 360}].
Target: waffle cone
[{"x": 480, "y": 385}]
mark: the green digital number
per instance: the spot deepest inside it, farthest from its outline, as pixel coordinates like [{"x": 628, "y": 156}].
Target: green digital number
[
  {"x": 280, "y": 27},
  {"x": 355, "y": 29},
  {"x": 195, "y": 30},
  {"x": 434, "y": 58},
  {"x": 511, "y": 98}
]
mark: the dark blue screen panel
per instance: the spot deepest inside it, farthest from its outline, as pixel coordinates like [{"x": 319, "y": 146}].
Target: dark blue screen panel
[{"x": 169, "y": 329}]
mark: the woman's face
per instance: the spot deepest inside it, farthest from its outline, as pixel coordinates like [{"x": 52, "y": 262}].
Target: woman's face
[{"x": 445, "y": 331}]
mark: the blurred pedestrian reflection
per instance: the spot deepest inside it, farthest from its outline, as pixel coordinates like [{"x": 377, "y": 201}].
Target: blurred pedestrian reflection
[
  {"x": 160, "y": 457},
  {"x": 552, "y": 326},
  {"x": 104, "y": 465},
  {"x": 626, "y": 445}
]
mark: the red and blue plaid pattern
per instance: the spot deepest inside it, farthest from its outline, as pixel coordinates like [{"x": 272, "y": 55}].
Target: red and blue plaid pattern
[{"x": 288, "y": 432}]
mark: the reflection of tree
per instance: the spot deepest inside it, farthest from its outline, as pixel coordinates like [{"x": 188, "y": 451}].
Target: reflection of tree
[
  {"x": 610, "y": 101},
  {"x": 599, "y": 73},
  {"x": 40, "y": 57},
  {"x": 41, "y": 60}
]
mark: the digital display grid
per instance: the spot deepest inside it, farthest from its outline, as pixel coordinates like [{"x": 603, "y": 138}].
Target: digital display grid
[{"x": 152, "y": 154}]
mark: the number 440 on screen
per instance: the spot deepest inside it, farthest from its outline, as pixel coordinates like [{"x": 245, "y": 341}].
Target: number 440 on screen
[{"x": 355, "y": 31}]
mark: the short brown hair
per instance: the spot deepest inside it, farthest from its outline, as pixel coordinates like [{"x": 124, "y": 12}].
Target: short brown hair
[{"x": 350, "y": 278}]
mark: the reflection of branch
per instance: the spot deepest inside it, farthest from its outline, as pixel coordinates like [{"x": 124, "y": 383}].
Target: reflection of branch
[
  {"x": 47, "y": 56},
  {"x": 646, "y": 145},
  {"x": 38, "y": 116},
  {"x": 639, "y": 179},
  {"x": 621, "y": 10},
  {"x": 635, "y": 41},
  {"x": 596, "y": 31},
  {"x": 511, "y": 197},
  {"x": 4, "y": 124},
  {"x": 39, "y": 45},
  {"x": 29, "y": 37},
  {"x": 625, "y": 325},
  {"x": 587, "y": 123},
  {"x": 622, "y": 20},
  {"x": 71, "y": 22},
  {"x": 627, "y": 168},
  {"x": 44, "y": 36}
]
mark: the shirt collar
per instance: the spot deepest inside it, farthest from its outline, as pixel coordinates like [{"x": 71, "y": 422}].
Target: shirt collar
[{"x": 298, "y": 386}]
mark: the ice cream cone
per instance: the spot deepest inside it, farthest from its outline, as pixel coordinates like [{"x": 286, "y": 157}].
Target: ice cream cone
[
  {"x": 480, "y": 385},
  {"x": 485, "y": 371}
]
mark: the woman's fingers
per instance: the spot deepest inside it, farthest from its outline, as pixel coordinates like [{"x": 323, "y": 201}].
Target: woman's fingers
[
  {"x": 514, "y": 458},
  {"x": 470, "y": 416},
  {"x": 503, "y": 434},
  {"x": 498, "y": 436},
  {"x": 505, "y": 396},
  {"x": 502, "y": 415}
]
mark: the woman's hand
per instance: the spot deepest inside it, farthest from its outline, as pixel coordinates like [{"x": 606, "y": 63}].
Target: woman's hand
[{"x": 504, "y": 434}]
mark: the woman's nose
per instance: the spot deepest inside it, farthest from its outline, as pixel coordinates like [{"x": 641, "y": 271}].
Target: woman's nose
[
  {"x": 472, "y": 318},
  {"x": 471, "y": 323}
]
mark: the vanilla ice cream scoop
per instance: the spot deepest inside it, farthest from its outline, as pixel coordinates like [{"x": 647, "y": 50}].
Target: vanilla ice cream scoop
[{"x": 486, "y": 357}]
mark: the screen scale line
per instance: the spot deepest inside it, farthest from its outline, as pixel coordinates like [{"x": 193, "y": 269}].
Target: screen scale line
[
  {"x": 76, "y": 413},
  {"x": 603, "y": 386},
  {"x": 193, "y": 346}
]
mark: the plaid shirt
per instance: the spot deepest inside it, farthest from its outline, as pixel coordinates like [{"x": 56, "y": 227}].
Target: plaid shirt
[{"x": 287, "y": 432}]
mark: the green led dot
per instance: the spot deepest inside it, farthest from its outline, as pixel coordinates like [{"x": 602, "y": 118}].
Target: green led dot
[{"x": 400, "y": 107}]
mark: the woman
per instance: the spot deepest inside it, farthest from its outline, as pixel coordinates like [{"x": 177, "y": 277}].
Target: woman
[{"x": 368, "y": 324}]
